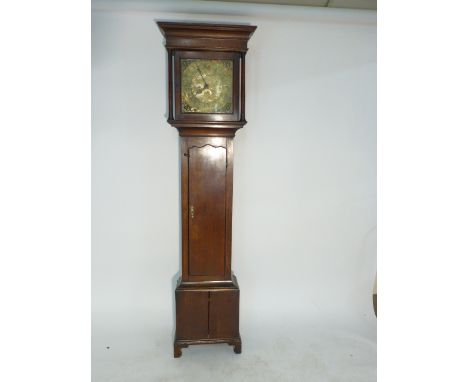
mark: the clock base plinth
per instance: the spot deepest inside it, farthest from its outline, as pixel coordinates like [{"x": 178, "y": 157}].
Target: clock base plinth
[
  {"x": 180, "y": 344},
  {"x": 207, "y": 314}
]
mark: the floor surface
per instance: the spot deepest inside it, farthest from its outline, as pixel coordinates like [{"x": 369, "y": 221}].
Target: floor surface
[{"x": 309, "y": 352}]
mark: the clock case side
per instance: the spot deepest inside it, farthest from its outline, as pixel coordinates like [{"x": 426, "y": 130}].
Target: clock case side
[{"x": 206, "y": 41}]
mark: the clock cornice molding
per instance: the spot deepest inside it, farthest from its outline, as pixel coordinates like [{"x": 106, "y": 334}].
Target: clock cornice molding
[{"x": 202, "y": 36}]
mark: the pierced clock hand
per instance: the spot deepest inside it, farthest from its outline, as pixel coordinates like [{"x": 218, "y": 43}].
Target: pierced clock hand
[{"x": 201, "y": 75}]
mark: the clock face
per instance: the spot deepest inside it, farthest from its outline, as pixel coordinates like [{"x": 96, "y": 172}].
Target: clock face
[{"x": 206, "y": 86}]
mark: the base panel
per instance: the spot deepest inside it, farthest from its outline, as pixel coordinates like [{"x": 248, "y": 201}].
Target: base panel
[{"x": 207, "y": 315}]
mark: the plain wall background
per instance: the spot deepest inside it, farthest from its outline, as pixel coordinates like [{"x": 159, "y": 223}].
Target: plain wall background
[{"x": 304, "y": 221}]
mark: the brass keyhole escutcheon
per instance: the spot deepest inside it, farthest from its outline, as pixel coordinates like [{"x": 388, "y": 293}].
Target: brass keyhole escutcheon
[{"x": 192, "y": 212}]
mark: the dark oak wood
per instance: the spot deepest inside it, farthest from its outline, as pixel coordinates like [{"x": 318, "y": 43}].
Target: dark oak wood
[
  {"x": 192, "y": 314},
  {"x": 170, "y": 84},
  {"x": 206, "y": 37},
  {"x": 207, "y": 209},
  {"x": 207, "y": 294},
  {"x": 207, "y": 314},
  {"x": 224, "y": 313},
  {"x": 235, "y": 342},
  {"x": 207, "y": 188}
]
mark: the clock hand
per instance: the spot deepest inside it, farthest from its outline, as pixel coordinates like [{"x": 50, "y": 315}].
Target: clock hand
[{"x": 201, "y": 75}]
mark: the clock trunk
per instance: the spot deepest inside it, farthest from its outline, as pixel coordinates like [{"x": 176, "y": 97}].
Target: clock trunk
[{"x": 208, "y": 193}]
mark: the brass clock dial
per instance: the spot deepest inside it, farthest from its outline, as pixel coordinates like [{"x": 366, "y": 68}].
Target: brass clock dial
[{"x": 206, "y": 85}]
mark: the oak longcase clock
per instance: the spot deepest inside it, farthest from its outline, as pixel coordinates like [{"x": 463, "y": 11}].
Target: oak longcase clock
[{"x": 206, "y": 100}]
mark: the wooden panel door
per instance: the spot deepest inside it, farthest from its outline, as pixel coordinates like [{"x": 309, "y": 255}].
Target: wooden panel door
[
  {"x": 224, "y": 314},
  {"x": 207, "y": 210},
  {"x": 192, "y": 314}
]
